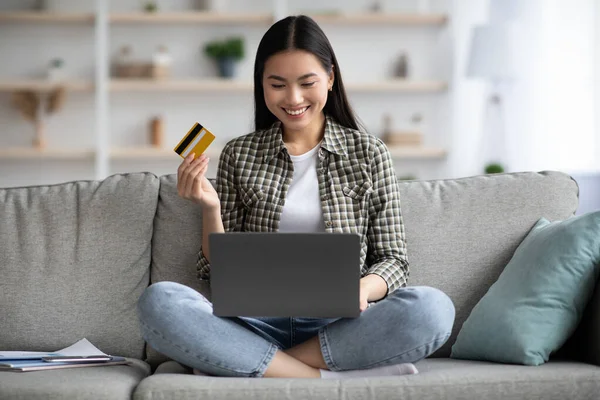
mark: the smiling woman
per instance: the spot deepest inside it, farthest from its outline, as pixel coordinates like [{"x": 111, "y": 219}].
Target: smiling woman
[{"x": 307, "y": 168}]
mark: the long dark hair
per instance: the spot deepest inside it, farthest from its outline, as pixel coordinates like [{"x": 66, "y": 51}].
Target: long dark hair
[{"x": 300, "y": 33}]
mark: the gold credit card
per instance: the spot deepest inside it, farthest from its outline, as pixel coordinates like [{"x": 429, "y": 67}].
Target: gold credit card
[{"x": 195, "y": 141}]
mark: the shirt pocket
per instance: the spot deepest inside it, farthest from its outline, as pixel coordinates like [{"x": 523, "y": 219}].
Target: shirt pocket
[
  {"x": 252, "y": 199},
  {"x": 355, "y": 207},
  {"x": 358, "y": 192},
  {"x": 251, "y": 196}
]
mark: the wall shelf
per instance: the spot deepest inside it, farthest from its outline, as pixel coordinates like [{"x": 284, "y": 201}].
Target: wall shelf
[
  {"x": 211, "y": 85},
  {"x": 40, "y": 85},
  {"x": 141, "y": 153},
  {"x": 136, "y": 153},
  {"x": 416, "y": 152},
  {"x": 223, "y": 18},
  {"x": 17, "y": 153},
  {"x": 39, "y": 16},
  {"x": 398, "y": 85},
  {"x": 376, "y": 18},
  {"x": 191, "y": 17},
  {"x": 179, "y": 85}
]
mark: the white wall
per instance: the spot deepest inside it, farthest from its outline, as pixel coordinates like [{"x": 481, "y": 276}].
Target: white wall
[
  {"x": 597, "y": 83},
  {"x": 550, "y": 121},
  {"x": 550, "y": 118},
  {"x": 467, "y": 95}
]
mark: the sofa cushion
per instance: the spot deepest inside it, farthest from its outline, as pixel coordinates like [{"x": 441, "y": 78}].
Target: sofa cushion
[
  {"x": 175, "y": 245},
  {"x": 540, "y": 297},
  {"x": 461, "y": 233},
  {"x": 115, "y": 382},
  {"x": 439, "y": 378},
  {"x": 74, "y": 259},
  {"x": 177, "y": 238}
]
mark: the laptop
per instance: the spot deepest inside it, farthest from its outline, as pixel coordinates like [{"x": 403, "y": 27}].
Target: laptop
[{"x": 273, "y": 274}]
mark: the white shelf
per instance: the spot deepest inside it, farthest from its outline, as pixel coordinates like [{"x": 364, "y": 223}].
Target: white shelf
[
  {"x": 40, "y": 85},
  {"x": 416, "y": 152},
  {"x": 211, "y": 85},
  {"x": 191, "y": 17},
  {"x": 398, "y": 85},
  {"x": 179, "y": 85},
  {"x": 223, "y": 18},
  {"x": 214, "y": 151},
  {"x": 377, "y": 18},
  {"x": 47, "y": 17},
  {"x": 141, "y": 153},
  {"x": 19, "y": 153}
]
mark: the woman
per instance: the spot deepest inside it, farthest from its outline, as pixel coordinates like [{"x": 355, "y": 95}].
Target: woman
[{"x": 306, "y": 168}]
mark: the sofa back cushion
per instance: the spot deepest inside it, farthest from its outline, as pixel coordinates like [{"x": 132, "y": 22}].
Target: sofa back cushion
[
  {"x": 74, "y": 259},
  {"x": 460, "y": 233},
  {"x": 175, "y": 245}
]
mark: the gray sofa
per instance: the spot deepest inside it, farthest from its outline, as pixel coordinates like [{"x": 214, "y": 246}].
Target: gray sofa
[{"x": 75, "y": 257}]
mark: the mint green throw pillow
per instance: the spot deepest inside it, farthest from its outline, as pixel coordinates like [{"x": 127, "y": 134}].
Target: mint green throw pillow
[{"x": 538, "y": 300}]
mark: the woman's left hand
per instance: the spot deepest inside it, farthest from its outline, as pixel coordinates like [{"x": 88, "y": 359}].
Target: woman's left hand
[{"x": 372, "y": 288}]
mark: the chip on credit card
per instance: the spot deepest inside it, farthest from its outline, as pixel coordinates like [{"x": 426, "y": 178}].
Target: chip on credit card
[{"x": 195, "y": 141}]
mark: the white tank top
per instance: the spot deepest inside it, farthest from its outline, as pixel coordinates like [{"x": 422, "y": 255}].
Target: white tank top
[{"x": 302, "y": 209}]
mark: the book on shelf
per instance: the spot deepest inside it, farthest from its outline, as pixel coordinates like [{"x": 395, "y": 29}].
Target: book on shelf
[{"x": 79, "y": 355}]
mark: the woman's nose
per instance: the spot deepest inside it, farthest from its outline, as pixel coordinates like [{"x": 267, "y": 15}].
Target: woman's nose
[{"x": 294, "y": 96}]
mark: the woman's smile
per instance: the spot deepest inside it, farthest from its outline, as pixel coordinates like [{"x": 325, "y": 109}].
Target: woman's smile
[{"x": 296, "y": 113}]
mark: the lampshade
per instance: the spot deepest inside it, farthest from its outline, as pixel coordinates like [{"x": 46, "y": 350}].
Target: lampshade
[{"x": 493, "y": 52}]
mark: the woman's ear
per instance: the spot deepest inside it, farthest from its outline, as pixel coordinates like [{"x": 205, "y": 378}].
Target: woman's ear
[{"x": 331, "y": 78}]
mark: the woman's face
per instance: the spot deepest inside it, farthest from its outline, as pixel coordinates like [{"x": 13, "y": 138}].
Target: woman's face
[{"x": 296, "y": 86}]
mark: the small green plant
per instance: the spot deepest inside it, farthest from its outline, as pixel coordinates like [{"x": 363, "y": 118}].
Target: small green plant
[
  {"x": 150, "y": 6},
  {"x": 229, "y": 48},
  {"x": 407, "y": 178},
  {"x": 56, "y": 62},
  {"x": 494, "y": 168}
]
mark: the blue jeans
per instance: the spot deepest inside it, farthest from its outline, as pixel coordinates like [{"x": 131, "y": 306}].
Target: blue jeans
[{"x": 407, "y": 326}]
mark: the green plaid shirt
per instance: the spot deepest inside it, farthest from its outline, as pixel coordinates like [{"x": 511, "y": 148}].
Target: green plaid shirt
[{"x": 357, "y": 184}]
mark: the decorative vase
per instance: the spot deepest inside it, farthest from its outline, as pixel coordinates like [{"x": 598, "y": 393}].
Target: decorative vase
[{"x": 226, "y": 67}]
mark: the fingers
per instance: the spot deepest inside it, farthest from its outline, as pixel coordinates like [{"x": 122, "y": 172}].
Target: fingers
[
  {"x": 364, "y": 304},
  {"x": 181, "y": 173},
  {"x": 191, "y": 172},
  {"x": 196, "y": 173},
  {"x": 198, "y": 179},
  {"x": 184, "y": 164}
]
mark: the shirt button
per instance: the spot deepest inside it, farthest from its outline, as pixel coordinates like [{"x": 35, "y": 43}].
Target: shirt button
[{"x": 329, "y": 224}]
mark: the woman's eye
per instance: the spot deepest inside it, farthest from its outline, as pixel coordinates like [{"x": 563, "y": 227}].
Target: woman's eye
[
  {"x": 276, "y": 86},
  {"x": 308, "y": 84}
]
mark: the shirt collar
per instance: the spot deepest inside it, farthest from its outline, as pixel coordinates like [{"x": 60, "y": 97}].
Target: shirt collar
[{"x": 334, "y": 139}]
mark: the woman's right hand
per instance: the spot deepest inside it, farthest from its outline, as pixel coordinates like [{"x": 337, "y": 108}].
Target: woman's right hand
[{"x": 192, "y": 183}]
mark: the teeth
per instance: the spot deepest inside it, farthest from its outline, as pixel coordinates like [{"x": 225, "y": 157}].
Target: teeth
[{"x": 296, "y": 112}]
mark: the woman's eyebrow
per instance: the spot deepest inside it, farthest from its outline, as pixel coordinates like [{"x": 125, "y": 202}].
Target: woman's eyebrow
[{"x": 279, "y": 78}]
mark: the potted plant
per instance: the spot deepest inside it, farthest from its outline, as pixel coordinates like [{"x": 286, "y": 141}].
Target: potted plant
[
  {"x": 151, "y": 7},
  {"x": 494, "y": 168},
  {"x": 56, "y": 70},
  {"x": 225, "y": 53}
]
